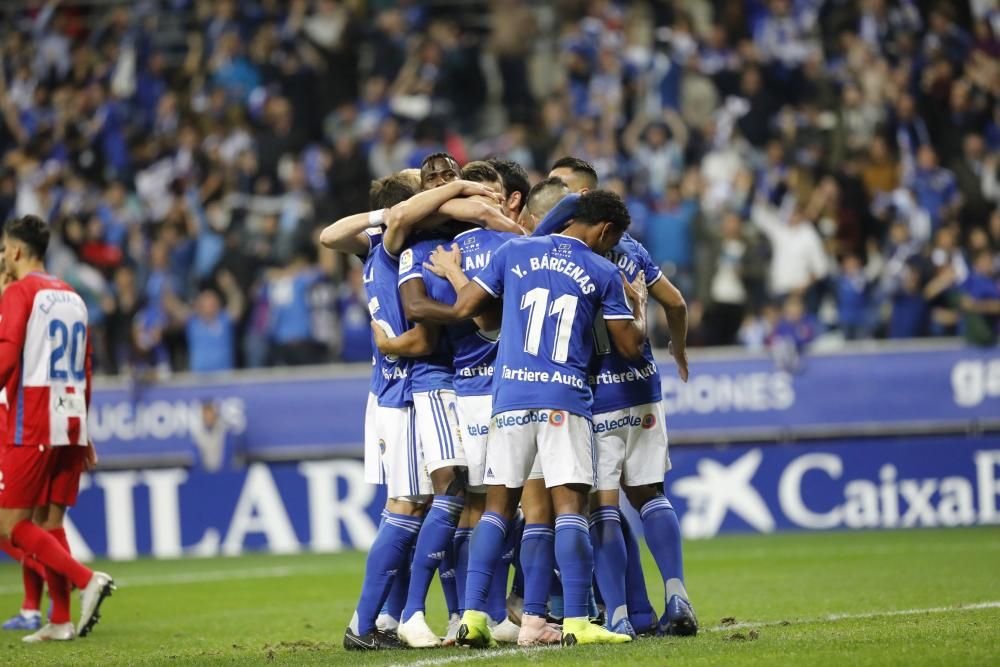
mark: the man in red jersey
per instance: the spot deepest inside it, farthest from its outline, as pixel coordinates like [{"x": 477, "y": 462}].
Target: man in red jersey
[
  {"x": 33, "y": 573},
  {"x": 45, "y": 368}
]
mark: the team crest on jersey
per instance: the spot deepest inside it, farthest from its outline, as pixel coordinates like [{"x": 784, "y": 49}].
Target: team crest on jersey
[
  {"x": 406, "y": 260},
  {"x": 381, "y": 446},
  {"x": 557, "y": 417},
  {"x": 649, "y": 421}
]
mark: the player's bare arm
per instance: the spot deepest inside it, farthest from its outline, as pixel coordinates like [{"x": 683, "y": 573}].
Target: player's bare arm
[
  {"x": 416, "y": 342},
  {"x": 629, "y": 336},
  {"x": 481, "y": 213},
  {"x": 403, "y": 218},
  {"x": 447, "y": 264},
  {"x": 347, "y": 234},
  {"x": 667, "y": 295}
]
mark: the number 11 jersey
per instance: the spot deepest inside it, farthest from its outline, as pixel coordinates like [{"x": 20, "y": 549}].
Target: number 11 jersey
[
  {"x": 47, "y": 392},
  {"x": 553, "y": 288}
]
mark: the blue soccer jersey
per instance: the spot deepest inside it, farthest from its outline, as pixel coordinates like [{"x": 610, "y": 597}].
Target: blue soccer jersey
[
  {"x": 391, "y": 377},
  {"x": 434, "y": 371},
  {"x": 474, "y": 351},
  {"x": 617, "y": 382},
  {"x": 552, "y": 287}
]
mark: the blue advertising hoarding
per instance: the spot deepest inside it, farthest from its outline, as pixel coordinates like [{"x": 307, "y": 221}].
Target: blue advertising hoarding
[
  {"x": 326, "y": 506},
  {"x": 290, "y": 417}
]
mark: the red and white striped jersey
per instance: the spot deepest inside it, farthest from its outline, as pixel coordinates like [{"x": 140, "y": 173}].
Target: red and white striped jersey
[{"x": 49, "y": 389}]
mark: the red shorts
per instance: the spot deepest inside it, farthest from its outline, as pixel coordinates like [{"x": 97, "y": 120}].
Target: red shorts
[{"x": 36, "y": 476}]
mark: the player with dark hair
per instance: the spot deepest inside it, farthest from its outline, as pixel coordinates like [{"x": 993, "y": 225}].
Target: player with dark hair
[
  {"x": 436, "y": 407},
  {"x": 45, "y": 368},
  {"x": 552, "y": 290},
  {"x": 438, "y": 169},
  {"x": 515, "y": 184},
  {"x": 391, "y": 444},
  {"x": 578, "y": 174},
  {"x": 29, "y": 617},
  {"x": 631, "y": 441}
]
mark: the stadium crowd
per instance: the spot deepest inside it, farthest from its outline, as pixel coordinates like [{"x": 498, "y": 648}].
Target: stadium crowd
[{"x": 798, "y": 168}]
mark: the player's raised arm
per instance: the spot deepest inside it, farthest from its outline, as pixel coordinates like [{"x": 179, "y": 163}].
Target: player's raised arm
[
  {"x": 348, "y": 234},
  {"x": 482, "y": 214},
  {"x": 402, "y": 218}
]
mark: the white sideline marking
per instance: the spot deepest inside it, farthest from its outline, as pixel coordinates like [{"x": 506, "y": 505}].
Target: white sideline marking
[
  {"x": 207, "y": 576},
  {"x": 468, "y": 656}
]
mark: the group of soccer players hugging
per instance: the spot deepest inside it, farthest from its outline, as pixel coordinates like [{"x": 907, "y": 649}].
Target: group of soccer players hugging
[{"x": 514, "y": 397}]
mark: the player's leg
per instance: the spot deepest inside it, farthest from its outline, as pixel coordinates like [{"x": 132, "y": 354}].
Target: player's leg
[
  {"x": 510, "y": 452},
  {"x": 441, "y": 443},
  {"x": 644, "y": 619},
  {"x": 610, "y": 554},
  {"x": 70, "y": 463},
  {"x": 646, "y": 462},
  {"x": 29, "y": 474},
  {"x": 567, "y": 456},
  {"x": 406, "y": 486},
  {"x": 33, "y": 579},
  {"x": 474, "y": 418},
  {"x": 538, "y": 562}
]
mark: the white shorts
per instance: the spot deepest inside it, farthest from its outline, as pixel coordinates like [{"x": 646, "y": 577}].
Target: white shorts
[
  {"x": 405, "y": 474},
  {"x": 474, "y": 416},
  {"x": 374, "y": 474},
  {"x": 557, "y": 441},
  {"x": 439, "y": 433},
  {"x": 631, "y": 446}
]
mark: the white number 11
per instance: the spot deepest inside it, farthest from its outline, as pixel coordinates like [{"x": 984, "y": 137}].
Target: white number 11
[{"x": 537, "y": 303}]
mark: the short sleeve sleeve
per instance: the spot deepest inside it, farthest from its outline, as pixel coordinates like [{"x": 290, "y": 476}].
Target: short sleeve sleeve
[
  {"x": 649, "y": 267},
  {"x": 491, "y": 277},
  {"x": 14, "y": 311},
  {"x": 411, "y": 263},
  {"x": 613, "y": 298}
]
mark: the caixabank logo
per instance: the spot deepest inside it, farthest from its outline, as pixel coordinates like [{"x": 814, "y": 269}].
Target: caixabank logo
[{"x": 870, "y": 484}]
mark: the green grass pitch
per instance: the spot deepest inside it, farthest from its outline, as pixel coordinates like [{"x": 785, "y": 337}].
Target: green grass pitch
[{"x": 877, "y": 598}]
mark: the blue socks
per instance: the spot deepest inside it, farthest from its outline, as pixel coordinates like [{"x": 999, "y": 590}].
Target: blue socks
[
  {"x": 610, "y": 560},
  {"x": 485, "y": 549},
  {"x": 449, "y": 582},
  {"x": 461, "y": 552},
  {"x": 663, "y": 536},
  {"x": 640, "y": 611},
  {"x": 387, "y": 557},
  {"x": 433, "y": 543},
  {"x": 575, "y": 559},
  {"x": 496, "y": 599},
  {"x": 537, "y": 562}
]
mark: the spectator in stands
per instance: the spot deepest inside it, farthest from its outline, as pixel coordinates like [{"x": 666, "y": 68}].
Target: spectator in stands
[
  {"x": 352, "y": 307},
  {"x": 210, "y": 327},
  {"x": 798, "y": 260},
  {"x": 853, "y": 298},
  {"x": 670, "y": 236},
  {"x": 981, "y": 300},
  {"x": 289, "y": 325},
  {"x": 162, "y": 156}
]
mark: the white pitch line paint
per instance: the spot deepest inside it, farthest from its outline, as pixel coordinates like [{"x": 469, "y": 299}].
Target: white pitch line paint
[
  {"x": 829, "y": 618},
  {"x": 207, "y": 576}
]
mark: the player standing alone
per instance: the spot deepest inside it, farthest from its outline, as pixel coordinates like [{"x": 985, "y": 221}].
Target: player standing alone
[{"x": 45, "y": 367}]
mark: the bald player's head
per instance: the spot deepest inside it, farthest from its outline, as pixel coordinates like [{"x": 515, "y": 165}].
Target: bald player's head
[
  {"x": 541, "y": 199},
  {"x": 578, "y": 174}
]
